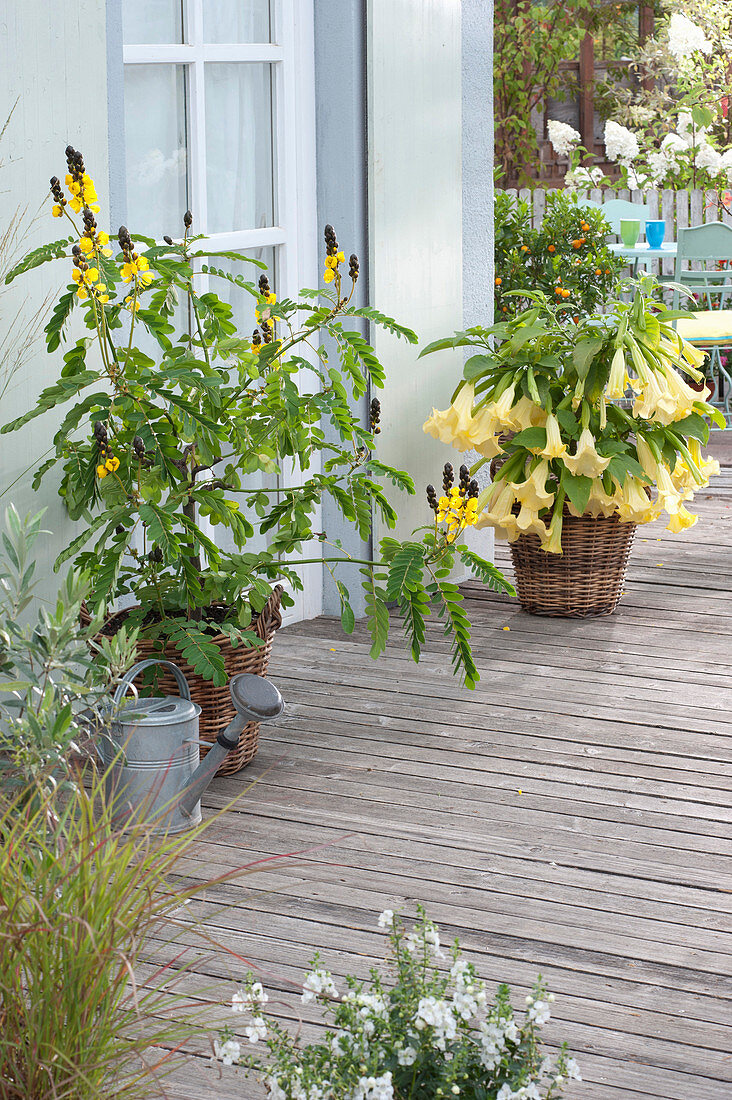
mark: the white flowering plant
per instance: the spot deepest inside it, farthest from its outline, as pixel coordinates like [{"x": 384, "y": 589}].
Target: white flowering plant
[
  {"x": 591, "y": 419},
  {"x": 421, "y": 1031},
  {"x": 672, "y": 127}
]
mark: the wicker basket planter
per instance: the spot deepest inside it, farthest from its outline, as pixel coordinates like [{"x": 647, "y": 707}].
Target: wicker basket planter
[
  {"x": 217, "y": 709},
  {"x": 586, "y": 579}
]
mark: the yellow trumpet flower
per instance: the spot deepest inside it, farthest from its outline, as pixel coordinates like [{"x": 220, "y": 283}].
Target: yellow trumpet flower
[
  {"x": 525, "y": 414},
  {"x": 669, "y": 498},
  {"x": 708, "y": 467},
  {"x": 655, "y": 400},
  {"x": 632, "y": 503},
  {"x": 599, "y": 502},
  {"x": 533, "y": 491},
  {"x": 501, "y": 408},
  {"x": 681, "y": 520},
  {"x": 554, "y": 447},
  {"x": 454, "y": 425},
  {"x": 501, "y": 500},
  {"x": 586, "y": 462},
  {"x": 528, "y": 520},
  {"x": 617, "y": 383},
  {"x": 552, "y": 540}
]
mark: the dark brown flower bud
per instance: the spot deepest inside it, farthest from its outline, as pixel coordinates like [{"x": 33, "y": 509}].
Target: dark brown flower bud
[
  {"x": 167, "y": 239},
  {"x": 188, "y": 219},
  {"x": 353, "y": 268}
]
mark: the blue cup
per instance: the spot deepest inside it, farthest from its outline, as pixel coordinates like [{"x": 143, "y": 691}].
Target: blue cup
[{"x": 655, "y": 232}]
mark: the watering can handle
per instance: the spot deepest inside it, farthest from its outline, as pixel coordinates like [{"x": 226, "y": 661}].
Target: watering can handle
[{"x": 130, "y": 675}]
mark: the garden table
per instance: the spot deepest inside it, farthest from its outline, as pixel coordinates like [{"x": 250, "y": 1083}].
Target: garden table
[{"x": 641, "y": 252}]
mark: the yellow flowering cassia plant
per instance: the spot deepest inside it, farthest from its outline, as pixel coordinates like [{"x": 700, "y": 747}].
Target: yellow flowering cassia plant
[
  {"x": 594, "y": 418},
  {"x": 165, "y": 427}
]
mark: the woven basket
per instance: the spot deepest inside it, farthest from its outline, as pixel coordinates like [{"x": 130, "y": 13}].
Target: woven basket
[
  {"x": 217, "y": 709},
  {"x": 586, "y": 579}
]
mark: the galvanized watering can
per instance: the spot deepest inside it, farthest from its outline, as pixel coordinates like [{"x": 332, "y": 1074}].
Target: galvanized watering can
[{"x": 150, "y": 748}]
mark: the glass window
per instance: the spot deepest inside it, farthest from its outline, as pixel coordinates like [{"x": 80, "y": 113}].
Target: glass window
[
  {"x": 152, "y": 21},
  {"x": 239, "y": 160},
  {"x": 235, "y": 21},
  {"x": 156, "y": 153},
  {"x": 241, "y": 300}
]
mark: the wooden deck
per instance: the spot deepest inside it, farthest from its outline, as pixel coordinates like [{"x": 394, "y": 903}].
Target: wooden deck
[{"x": 570, "y": 817}]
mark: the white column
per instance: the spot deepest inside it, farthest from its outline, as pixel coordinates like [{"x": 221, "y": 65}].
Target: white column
[{"x": 415, "y": 222}]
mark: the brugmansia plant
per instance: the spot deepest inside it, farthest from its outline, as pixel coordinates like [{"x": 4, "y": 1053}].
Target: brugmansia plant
[
  {"x": 594, "y": 417},
  {"x": 165, "y": 428}
]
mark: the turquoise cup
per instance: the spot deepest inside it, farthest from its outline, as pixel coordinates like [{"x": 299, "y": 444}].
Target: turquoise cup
[{"x": 655, "y": 232}]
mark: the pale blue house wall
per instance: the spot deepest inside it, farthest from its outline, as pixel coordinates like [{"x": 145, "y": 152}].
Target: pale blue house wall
[{"x": 343, "y": 168}]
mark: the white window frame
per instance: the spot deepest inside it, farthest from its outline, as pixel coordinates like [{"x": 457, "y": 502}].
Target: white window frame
[{"x": 294, "y": 236}]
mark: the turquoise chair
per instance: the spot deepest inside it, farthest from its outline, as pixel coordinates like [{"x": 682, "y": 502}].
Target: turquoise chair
[
  {"x": 620, "y": 210},
  {"x": 709, "y": 329}
]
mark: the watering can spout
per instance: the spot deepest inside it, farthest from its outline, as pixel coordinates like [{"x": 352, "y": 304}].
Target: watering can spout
[{"x": 256, "y": 700}]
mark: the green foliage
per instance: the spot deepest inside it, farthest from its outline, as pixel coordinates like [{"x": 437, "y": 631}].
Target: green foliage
[
  {"x": 530, "y": 41},
  {"x": 179, "y": 447},
  {"x": 566, "y": 260},
  {"x": 52, "y": 683}
]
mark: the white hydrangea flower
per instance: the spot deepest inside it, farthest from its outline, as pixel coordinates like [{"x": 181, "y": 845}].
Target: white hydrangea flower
[
  {"x": 685, "y": 38},
  {"x": 256, "y": 1030},
  {"x": 562, "y": 137},
  {"x": 708, "y": 157},
  {"x": 386, "y": 919},
  {"x": 581, "y": 177},
  {"x": 407, "y": 1056},
  {"x": 620, "y": 143},
  {"x": 227, "y": 1052},
  {"x": 673, "y": 146},
  {"x": 318, "y": 982},
  {"x": 246, "y": 1000},
  {"x": 690, "y": 134},
  {"x": 658, "y": 166}
]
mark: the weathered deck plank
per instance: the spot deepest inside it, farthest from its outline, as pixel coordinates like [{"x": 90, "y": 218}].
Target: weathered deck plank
[{"x": 569, "y": 817}]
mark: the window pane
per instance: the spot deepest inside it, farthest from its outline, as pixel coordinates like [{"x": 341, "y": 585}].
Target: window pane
[
  {"x": 240, "y": 300},
  {"x": 156, "y": 148},
  {"x": 152, "y": 21},
  {"x": 234, "y": 21},
  {"x": 239, "y": 162}
]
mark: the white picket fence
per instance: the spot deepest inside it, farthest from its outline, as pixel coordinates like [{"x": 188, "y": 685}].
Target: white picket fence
[{"x": 679, "y": 209}]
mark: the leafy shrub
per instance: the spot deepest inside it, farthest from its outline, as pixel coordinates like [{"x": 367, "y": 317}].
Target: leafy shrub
[
  {"x": 52, "y": 680},
  {"x": 566, "y": 258}
]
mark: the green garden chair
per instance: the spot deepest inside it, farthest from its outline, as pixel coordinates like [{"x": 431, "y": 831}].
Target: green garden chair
[{"x": 710, "y": 329}]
